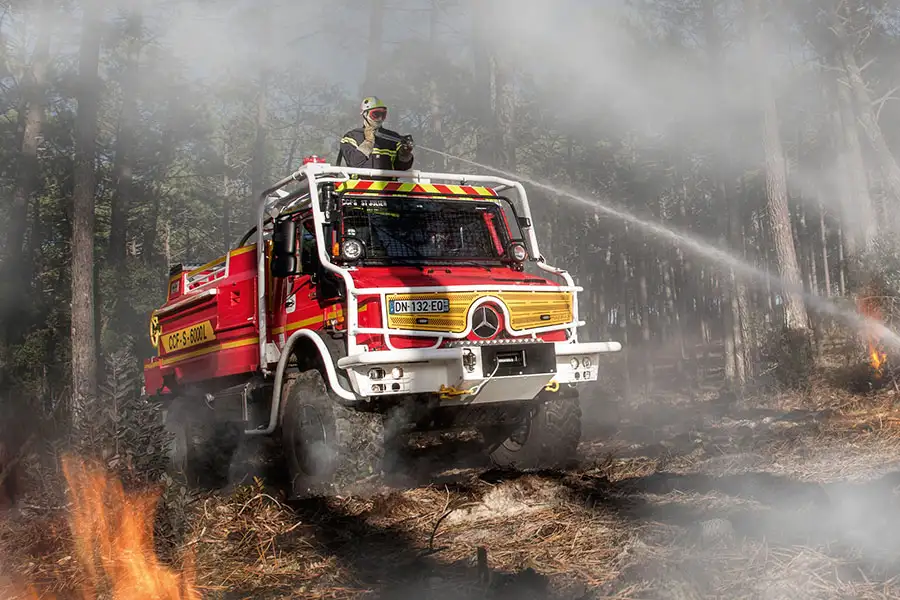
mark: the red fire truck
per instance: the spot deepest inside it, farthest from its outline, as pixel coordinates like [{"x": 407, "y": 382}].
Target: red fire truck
[{"x": 381, "y": 292}]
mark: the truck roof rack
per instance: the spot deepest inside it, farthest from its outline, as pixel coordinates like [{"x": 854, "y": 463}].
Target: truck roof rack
[{"x": 181, "y": 268}]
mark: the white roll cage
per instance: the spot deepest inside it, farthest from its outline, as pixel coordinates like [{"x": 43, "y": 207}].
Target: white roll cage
[{"x": 318, "y": 173}]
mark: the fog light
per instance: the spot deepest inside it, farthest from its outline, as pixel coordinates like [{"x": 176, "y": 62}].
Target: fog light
[
  {"x": 352, "y": 249},
  {"x": 396, "y": 372},
  {"x": 377, "y": 387},
  {"x": 586, "y": 363},
  {"x": 376, "y": 373},
  {"x": 518, "y": 252},
  {"x": 574, "y": 362}
]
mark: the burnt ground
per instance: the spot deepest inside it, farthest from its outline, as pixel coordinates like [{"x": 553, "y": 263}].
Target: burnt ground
[{"x": 792, "y": 498}]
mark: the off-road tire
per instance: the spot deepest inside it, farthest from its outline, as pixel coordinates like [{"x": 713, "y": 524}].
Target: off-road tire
[
  {"x": 199, "y": 451},
  {"x": 308, "y": 433},
  {"x": 333, "y": 447},
  {"x": 547, "y": 440}
]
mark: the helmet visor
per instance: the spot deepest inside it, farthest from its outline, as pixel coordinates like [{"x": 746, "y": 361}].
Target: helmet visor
[{"x": 378, "y": 114}]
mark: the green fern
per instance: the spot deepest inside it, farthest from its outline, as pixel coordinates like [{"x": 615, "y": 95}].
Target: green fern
[{"x": 123, "y": 428}]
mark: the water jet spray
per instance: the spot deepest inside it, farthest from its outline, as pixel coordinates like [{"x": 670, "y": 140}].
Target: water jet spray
[{"x": 702, "y": 249}]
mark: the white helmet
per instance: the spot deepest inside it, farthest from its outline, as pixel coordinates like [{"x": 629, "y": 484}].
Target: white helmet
[{"x": 373, "y": 110}]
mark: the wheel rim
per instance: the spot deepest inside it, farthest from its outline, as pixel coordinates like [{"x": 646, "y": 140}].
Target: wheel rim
[{"x": 519, "y": 436}]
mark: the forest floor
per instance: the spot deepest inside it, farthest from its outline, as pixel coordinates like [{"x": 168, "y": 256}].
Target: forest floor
[{"x": 791, "y": 496}]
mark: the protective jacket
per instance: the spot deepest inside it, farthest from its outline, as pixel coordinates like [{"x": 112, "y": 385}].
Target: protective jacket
[{"x": 383, "y": 156}]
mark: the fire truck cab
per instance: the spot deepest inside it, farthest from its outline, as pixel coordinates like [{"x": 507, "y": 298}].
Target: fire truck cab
[{"x": 401, "y": 294}]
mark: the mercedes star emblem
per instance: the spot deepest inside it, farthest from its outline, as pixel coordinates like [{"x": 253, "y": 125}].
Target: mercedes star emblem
[{"x": 485, "y": 322}]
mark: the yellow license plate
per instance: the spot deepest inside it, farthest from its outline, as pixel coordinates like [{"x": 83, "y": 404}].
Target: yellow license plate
[{"x": 188, "y": 337}]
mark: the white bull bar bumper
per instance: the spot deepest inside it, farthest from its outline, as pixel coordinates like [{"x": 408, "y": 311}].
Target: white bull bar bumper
[{"x": 475, "y": 374}]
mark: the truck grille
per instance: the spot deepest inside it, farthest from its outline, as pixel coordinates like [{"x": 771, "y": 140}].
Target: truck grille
[{"x": 527, "y": 310}]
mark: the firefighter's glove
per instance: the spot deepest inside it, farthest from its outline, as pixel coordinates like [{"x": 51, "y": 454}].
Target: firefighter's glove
[
  {"x": 369, "y": 144},
  {"x": 404, "y": 152},
  {"x": 369, "y": 131}
]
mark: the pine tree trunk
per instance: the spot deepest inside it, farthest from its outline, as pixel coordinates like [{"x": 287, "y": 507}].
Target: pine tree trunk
[
  {"x": 739, "y": 317},
  {"x": 27, "y": 174},
  {"x": 27, "y": 183},
  {"x": 625, "y": 319},
  {"x": 842, "y": 263},
  {"x": 823, "y": 240},
  {"x": 864, "y": 110},
  {"x": 84, "y": 343},
  {"x": 125, "y": 138},
  {"x": 856, "y": 199},
  {"x": 152, "y": 255},
  {"x": 644, "y": 299},
  {"x": 776, "y": 188}
]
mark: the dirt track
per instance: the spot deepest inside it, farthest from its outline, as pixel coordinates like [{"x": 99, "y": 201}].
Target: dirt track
[{"x": 699, "y": 501}]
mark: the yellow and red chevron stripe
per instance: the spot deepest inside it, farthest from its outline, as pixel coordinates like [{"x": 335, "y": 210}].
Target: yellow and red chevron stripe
[{"x": 365, "y": 185}]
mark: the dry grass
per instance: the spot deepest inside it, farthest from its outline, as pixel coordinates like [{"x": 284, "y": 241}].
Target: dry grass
[{"x": 741, "y": 505}]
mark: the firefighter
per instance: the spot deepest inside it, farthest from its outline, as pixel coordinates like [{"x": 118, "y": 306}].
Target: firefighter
[{"x": 374, "y": 147}]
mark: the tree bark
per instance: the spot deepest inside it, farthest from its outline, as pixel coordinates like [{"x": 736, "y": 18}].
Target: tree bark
[
  {"x": 124, "y": 147},
  {"x": 27, "y": 180},
  {"x": 152, "y": 255},
  {"x": 734, "y": 347},
  {"x": 842, "y": 263},
  {"x": 856, "y": 209},
  {"x": 84, "y": 343},
  {"x": 644, "y": 300},
  {"x": 823, "y": 240},
  {"x": 27, "y": 183},
  {"x": 776, "y": 187},
  {"x": 864, "y": 110}
]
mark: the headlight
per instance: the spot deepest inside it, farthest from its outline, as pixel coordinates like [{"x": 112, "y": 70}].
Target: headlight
[
  {"x": 352, "y": 249},
  {"x": 586, "y": 362},
  {"x": 574, "y": 362},
  {"x": 518, "y": 252}
]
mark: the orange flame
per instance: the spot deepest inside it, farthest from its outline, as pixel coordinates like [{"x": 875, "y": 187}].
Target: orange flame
[
  {"x": 869, "y": 307},
  {"x": 113, "y": 537},
  {"x": 876, "y": 359}
]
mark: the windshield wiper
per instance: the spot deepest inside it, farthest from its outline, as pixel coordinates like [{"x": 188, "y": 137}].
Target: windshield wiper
[
  {"x": 471, "y": 263},
  {"x": 431, "y": 262}
]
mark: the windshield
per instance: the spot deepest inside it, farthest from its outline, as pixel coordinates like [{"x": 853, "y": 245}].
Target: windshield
[{"x": 415, "y": 229}]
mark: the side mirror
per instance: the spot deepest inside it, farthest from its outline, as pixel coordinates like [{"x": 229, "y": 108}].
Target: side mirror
[{"x": 284, "y": 249}]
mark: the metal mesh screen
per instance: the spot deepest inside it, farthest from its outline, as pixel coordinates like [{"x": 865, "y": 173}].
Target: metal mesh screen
[{"x": 404, "y": 228}]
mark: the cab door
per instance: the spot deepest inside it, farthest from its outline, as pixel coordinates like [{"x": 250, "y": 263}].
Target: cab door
[{"x": 302, "y": 310}]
